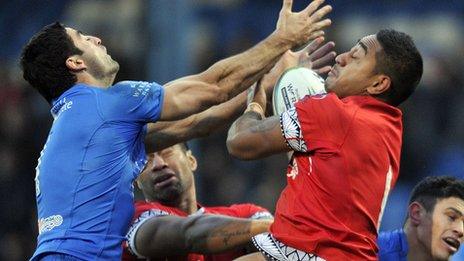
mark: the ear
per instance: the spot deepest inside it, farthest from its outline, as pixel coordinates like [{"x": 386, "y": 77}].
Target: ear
[
  {"x": 192, "y": 161},
  {"x": 75, "y": 63},
  {"x": 380, "y": 85},
  {"x": 416, "y": 213}
]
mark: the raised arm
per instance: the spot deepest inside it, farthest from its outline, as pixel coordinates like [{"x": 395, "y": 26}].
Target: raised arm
[
  {"x": 252, "y": 135},
  {"x": 169, "y": 235},
  {"x": 164, "y": 134},
  {"x": 231, "y": 76}
]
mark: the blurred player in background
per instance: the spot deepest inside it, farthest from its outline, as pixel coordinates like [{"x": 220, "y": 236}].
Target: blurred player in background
[
  {"x": 95, "y": 146},
  {"x": 346, "y": 152},
  {"x": 434, "y": 228},
  {"x": 172, "y": 225}
]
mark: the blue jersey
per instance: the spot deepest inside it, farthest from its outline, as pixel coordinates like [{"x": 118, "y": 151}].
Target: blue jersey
[
  {"x": 393, "y": 246},
  {"x": 93, "y": 153}
]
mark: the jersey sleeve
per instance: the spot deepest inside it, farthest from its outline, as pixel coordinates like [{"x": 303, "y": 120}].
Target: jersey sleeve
[
  {"x": 138, "y": 155},
  {"x": 136, "y": 224},
  {"x": 315, "y": 123},
  {"x": 392, "y": 245},
  {"x": 251, "y": 211},
  {"x": 132, "y": 100}
]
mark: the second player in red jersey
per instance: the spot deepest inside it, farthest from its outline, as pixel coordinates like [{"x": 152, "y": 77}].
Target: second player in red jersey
[
  {"x": 145, "y": 210},
  {"x": 171, "y": 225}
]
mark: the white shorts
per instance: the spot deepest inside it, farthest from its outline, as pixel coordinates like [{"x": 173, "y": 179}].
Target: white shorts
[{"x": 273, "y": 249}]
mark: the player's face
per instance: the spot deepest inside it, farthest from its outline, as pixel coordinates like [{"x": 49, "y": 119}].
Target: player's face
[
  {"x": 446, "y": 227},
  {"x": 98, "y": 62},
  {"x": 353, "y": 71},
  {"x": 167, "y": 174}
]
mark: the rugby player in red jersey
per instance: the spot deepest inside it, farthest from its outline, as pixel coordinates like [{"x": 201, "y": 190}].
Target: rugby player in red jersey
[
  {"x": 170, "y": 224},
  {"x": 346, "y": 157}
]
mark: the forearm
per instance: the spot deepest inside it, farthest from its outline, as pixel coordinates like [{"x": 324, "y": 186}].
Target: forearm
[
  {"x": 161, "y": 135},
  {"x": 218, "y": 116},
  {"x": 252, "y": 137},
  {"x": 238, "y": 72},
  {"x": 215, "y": 234},
  {"x": 167, "y": 236}
]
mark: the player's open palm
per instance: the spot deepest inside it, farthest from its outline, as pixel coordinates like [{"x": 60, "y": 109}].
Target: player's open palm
[
  {"x": 301, "y": 27},
  {"x": 313, "y": 56}
]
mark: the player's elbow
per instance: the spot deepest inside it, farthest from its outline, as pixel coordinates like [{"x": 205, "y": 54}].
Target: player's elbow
[{"x": 240, "y": 148}]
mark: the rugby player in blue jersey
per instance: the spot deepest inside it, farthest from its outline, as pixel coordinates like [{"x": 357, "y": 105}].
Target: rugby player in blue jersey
[
  {"x": 95, "y": 146},
  {"x": 434, "y": 228}
]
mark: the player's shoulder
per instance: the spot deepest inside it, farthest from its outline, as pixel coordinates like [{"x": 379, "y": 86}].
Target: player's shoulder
[
  {"x": 134, "y": 85},
  {"x": 144, "y": 208},
  {"x": 133, "y": 88},
  {"x": 244, "y": 210},
  {"x": 80, "y": 95},
  {"x": 322, "y": 106},
  {"x": 320, "y": 102},
  {"x": 79, "y": 90},
  {"x": 392, "y": 242},
  {"x": 323, "y": 97},
  {"x": 372, "y": 104}
]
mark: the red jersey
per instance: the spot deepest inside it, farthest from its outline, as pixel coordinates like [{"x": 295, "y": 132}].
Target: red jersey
[
  {"x": 346, "y": 160},
  {"x": 146, "y": 210}
]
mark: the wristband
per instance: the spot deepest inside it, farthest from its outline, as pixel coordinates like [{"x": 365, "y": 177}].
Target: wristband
[{"x": 254, "y": 106}]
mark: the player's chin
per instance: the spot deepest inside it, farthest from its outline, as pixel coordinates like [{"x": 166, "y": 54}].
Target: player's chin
[
  {"x": 329, "y": 84},
  {"x": 442, "y": 257},
  {"x": 169, "y": 193},
  {"x": 443, "y": 254},
  {"x": 114, "y": 66}
]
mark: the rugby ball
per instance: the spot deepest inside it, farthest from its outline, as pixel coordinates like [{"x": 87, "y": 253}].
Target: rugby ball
[{"x": 294, "y": 84}]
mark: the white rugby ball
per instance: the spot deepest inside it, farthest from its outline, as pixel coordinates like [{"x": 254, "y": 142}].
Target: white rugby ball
[{"x": 294, "y": 84}]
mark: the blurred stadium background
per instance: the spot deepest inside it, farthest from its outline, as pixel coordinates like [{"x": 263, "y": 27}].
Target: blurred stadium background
[{"x": 164, "y": 39}]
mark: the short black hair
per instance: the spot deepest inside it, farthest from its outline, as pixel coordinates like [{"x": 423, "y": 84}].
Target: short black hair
[
  {"x": 401, "y": 61},
  {"x": 431, "y": 189},
  {"x": 43, "y": 61}
]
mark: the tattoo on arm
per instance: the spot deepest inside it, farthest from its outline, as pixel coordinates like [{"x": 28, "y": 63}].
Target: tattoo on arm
[
  {"x": 220, "y": 235},
  {"x": 229, "y": 232}
]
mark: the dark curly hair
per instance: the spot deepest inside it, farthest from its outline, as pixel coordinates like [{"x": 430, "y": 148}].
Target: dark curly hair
[
  {"x": 43, "y": 61},
  {"x": 401, "y": 61},
  {"x": 431, "y": 189}
]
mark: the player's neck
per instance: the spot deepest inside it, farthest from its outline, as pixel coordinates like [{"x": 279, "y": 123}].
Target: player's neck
[
  {"x": 416, "y": 250},
  {"x": 92, "y": 81},
  {"x": 188, "y": 201}
]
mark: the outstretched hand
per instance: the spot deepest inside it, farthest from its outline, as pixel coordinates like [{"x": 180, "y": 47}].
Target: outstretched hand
[
  {"x": 313, "y": 56},
  {"x": 301, "y": 27}
]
